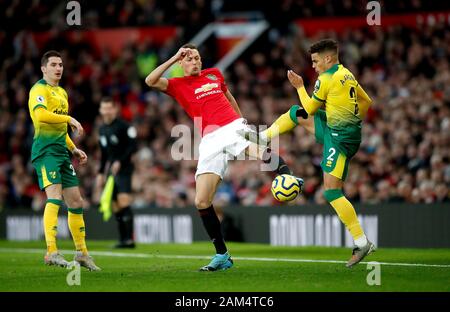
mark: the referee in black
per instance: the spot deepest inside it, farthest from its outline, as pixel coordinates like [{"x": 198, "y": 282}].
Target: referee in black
[{"x": 118, "y": 143}]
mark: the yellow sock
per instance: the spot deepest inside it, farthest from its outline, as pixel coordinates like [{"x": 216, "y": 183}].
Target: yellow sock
[
  {"x": 345, "y": 212},
  {"x": 283, "y": 124},
  {"x": 77, "y": 229},
  {"x": 51, "y": 223}
]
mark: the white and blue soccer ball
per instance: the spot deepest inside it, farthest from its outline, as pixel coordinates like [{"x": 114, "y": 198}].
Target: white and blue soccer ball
[{"x": 285, "y": 187}]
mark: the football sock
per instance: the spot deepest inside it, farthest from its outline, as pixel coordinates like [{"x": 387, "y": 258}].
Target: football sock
[
  {"x": 77, "y": 229},
  {"x": 277, "y": 163},
  {"x": 212, "y": 226},
  {"x": 127, "y": 220},
  {"x": 347, "y": 214},
  {"x": 51, "y": 223},
  {"x": 361, "y": 241},
  {"x": 284, "y": 123},
  {"x": 121, "y": 225}
]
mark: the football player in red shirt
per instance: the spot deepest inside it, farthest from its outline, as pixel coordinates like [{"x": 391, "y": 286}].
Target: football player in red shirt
[{"x": 205, "y": 97}]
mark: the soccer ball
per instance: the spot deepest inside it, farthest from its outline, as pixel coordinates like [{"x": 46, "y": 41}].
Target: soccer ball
[{"x": 285, "y": 188}]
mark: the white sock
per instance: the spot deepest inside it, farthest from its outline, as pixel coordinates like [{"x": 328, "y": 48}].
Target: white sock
[{"x": 361, "y": 241}]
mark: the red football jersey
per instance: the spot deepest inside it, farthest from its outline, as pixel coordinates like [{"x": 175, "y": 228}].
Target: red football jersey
[{"x": 203, "y": 97}]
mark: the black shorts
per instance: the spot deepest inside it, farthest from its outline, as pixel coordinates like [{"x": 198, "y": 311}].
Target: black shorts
[{"x": 122, "y": 184}]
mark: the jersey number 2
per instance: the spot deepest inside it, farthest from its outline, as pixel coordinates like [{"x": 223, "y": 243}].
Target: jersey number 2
[
  {"x": 353, "y": 96},
  {"x": 332, "y": 151}
]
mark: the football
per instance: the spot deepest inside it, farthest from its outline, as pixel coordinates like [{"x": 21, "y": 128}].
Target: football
[{"x": 285, "y": 188}]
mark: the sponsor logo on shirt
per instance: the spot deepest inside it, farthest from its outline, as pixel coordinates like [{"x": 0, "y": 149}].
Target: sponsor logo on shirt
[
  {"x": 60, "y": 112},
  {"x": 206, "y": 87}
]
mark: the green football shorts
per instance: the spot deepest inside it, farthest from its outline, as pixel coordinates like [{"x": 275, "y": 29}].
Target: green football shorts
[
  {"x": 53, "y": 169},
  {"x": 339, "y": 146}
]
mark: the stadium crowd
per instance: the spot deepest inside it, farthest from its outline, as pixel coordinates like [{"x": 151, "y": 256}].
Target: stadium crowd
[
  {"x": 46, "y": 14},
  {"x": 404, "y": 156}
]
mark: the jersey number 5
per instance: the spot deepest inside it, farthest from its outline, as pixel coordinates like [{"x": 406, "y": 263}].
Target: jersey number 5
[{"x": 353, "y": 97}]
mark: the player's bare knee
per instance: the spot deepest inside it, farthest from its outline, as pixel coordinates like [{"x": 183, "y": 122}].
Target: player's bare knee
[
  {"x": 54, "y": 196},
  {"x": 202, "y": 203},
  {"x": 331, "y": 182},
  {"x": 54, "y": 191},
  {"x": 75, "y": 202}
]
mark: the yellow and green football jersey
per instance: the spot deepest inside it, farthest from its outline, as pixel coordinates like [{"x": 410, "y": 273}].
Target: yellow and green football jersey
[
  {"x": 48, "y": 138},
  {"x": 336, "y": 88}
]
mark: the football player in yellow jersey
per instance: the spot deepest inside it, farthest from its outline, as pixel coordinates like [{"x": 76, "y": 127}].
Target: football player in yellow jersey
[
  {"x": 338, "y": 128},
  {"x": 48, "y": 105}
]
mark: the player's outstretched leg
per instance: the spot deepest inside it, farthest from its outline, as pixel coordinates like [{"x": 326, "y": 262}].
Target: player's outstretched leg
[
  {"x": 253, "y": 136},
  {"x": 283, "y": 124},
  {"x": 347, "y": 215},
  {"x": 278, "y": 165}
]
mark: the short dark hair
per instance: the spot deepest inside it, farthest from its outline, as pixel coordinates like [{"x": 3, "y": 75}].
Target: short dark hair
[
  {"x": 47, "y": 55},
  {"x": 107, "y": 99},
  {"x": 325, "y": 45},
  {"x": 190, "y": 46}
]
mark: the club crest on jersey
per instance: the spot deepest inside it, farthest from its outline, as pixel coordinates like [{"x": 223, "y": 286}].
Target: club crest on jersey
[
  {"x": 206, "y": 87},
  {"x": 211, "y": 77},
  {"x": 317, "y": 86}
]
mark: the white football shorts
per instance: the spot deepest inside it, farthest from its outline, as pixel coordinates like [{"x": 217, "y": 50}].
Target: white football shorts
[{"x": 220, "y": 146}]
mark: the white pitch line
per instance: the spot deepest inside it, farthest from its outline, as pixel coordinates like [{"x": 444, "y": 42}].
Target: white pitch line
[{"x": 143, "y": 255}]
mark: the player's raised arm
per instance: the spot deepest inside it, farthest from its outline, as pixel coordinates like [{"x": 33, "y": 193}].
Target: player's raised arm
[
  {"x": 309, "y": 104},
  {"x": 154, "y": 79}
]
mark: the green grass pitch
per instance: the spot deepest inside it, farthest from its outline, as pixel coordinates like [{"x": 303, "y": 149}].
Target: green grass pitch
[{"x": 258, "y": 268}]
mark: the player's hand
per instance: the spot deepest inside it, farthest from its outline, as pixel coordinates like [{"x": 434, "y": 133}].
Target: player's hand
[
  {"x": 295, "y": 80},
  {"x": 76, "y": 127},
  {"x": 115, "y": 167},
  {"x": 80, "y": 155},
  {"x": 182, "y": 52}
]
